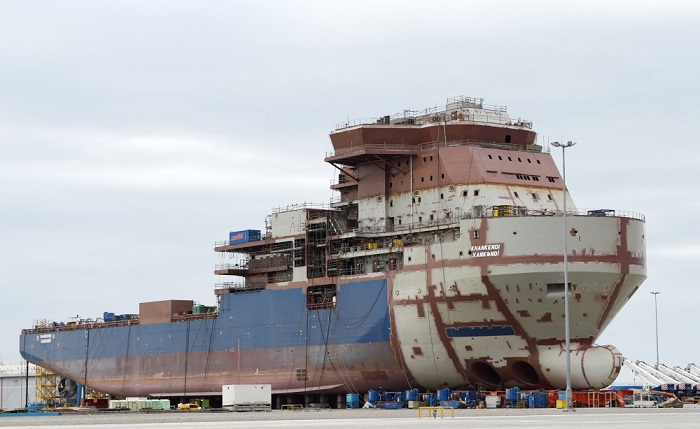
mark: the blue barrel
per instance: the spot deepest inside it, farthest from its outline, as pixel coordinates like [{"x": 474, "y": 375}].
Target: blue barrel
[
  {"x": 513, "y": 394},
  {"x": 352, "y": 400},
  {"x": 412, "y": 395},
  {"x": 373, "y": 396},
  {"x": 543, "y": 400},
  {"x": 538, "y": 400},
  {"x": 443, "y": 394},
  {"x": 469, "y": 395}
]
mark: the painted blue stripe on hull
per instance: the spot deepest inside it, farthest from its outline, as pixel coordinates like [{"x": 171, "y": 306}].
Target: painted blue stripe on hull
[{"x": 480, "y": 331}]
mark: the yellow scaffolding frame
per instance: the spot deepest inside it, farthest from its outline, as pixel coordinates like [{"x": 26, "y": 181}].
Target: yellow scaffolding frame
[{"x": 46, "y": 387}]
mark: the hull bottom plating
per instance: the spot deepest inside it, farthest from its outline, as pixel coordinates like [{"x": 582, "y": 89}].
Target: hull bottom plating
[{"x": 347, "y": 368}]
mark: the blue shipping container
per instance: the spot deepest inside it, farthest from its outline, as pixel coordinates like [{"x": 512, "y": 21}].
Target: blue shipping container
[
  {"x": 245, "y": 236},
  {"x": 352, "y": 400}
]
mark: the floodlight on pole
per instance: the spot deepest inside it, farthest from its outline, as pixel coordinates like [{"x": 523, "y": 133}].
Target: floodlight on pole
[{"x": 567, "y": 334}]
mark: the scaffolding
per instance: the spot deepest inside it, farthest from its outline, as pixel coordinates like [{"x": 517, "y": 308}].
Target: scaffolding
[{"x": 47, "y": 387}]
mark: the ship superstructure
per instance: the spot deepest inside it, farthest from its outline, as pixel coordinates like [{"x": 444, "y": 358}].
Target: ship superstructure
[{"x": 440, "y": 264}]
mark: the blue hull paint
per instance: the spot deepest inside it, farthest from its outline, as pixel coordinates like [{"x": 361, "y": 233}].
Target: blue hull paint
[{"x": 276, "y": 334}]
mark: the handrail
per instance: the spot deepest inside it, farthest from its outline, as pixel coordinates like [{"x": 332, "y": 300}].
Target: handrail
[
  {"x": 610, "y": 212},
  {"x": 230, "y": 285},
  {"x": 79, "y": 326},
  {"x": 186, "y": 317},
  {"x": 597, "y": 213},
  {"x": 239, "y": 266},
  {"x": 420, "y": 117},
  {"x": 46, "y": 329},
  {"x": 299, "y": 206},
  {"x": 404, "y": 148},
  {"x": 488, "y": 212},
  {"x": 435, "y": 409}
]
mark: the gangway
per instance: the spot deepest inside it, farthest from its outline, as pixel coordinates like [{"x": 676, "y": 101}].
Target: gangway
[
  {"x": 693, "y": 369},
  {"x": 677, "y": 376},
  {"x": 638, "y": 370},
  {"x": 656, "y": 373},
  {"x": 695, "y": 378}
]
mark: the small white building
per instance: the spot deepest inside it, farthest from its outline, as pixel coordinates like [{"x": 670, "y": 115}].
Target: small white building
[{"x": 13, "y": 386}]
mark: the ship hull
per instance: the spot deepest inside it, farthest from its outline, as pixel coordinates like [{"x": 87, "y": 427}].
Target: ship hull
[
  {"x": 460, "y": 312},
  {"x": 267, "y": 336},
  {"x": 497, "y": 319},
  {"x": 164, "y": 375}
]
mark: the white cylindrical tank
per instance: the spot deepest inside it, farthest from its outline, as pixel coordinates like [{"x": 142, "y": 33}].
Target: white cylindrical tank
[{"x": 594, "y": 367}]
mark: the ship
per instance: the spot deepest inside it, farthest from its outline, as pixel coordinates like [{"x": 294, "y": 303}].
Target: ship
[{"x": 438, "y": 263}]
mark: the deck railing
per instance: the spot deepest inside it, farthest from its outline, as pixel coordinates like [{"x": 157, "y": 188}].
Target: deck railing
[
  {"x": 407, "y": 149},
  {"x": 430, "y": 114},
  {"x": 488, "y": 212},
  {"x": 485, "y": 212}
]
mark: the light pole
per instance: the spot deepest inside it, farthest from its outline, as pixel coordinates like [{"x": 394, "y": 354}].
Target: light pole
[
  {"x": 656, "y": 317},
  {"x": 567, "y": 335}
]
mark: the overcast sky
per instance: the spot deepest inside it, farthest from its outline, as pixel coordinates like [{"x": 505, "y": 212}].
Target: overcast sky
[{"x": 136, "y": 134}]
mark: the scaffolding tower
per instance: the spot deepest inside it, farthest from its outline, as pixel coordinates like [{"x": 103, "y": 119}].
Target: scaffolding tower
[{"x": 47, "y": 387}]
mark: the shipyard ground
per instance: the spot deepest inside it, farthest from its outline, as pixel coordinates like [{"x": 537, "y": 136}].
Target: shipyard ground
[{"x": 687, "y": 417}]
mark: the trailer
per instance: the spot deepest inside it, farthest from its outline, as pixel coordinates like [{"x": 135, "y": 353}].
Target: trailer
[{"x": 247, "y": 397}]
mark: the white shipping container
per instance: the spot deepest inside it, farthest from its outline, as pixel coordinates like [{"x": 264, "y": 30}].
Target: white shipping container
[{"x": 233, "y": 394}]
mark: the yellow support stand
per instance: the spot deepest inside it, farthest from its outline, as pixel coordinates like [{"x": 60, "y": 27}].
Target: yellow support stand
[
  {"x": 432, "y": 410},
  {"x": 292, "y": 407}
]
